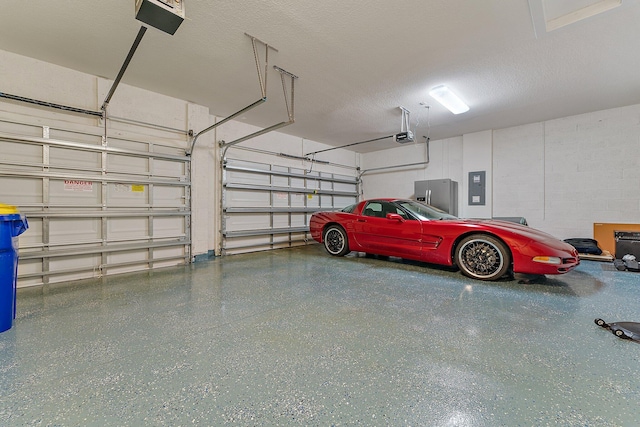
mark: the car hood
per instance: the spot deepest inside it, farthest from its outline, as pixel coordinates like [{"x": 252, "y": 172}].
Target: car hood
[{"x": 520, "y": 230}]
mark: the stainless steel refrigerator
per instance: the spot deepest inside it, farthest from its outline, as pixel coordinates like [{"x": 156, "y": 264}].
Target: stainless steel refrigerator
[{"x": 441, "y": 193}]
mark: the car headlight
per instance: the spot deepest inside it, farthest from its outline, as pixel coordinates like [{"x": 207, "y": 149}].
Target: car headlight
[{"x": 548, "y": 260}]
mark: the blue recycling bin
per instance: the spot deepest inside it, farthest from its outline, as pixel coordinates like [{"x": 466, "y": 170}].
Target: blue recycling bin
[{"x": 12, "y": 224}]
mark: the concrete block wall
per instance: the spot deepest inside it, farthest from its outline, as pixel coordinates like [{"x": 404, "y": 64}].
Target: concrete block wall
[
  {"x": 562, "y": 175},
  {"x": 576, "y": 170},
  {"x": 477, "y": 152}
]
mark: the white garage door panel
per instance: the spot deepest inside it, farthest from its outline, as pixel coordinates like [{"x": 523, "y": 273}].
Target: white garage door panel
[
  {"x": 13, "y": 153},
  {"x": 298, "y": 200},
  {"x": 123, "y": 229},
  {"x": 292, "y": 239},
  {"x": 127, "y": 195},
  {"x": 280, "y": 200},
  {"x": 74, "y": 262},
  {"x": 127, "y": 164},
  {"x": 128, "y": 256},
  {"x": 248, "y": 244},
  {"x": 21, "y": 191},
  {"x": 280, "y": 220},
  {"x": 162, "y": 168},
  {"x": 313, "y": 201},
  {"x": 338, "y": 186},
  {"x": 22, "y": 129},
  {"x": 342, "y": 201},
  {"x": 66, "y": 135},
  {"x": 32, "y": 239},
  {"x": 326, "y": 202},
  {"x": 165, "y": 257},
  {"x": 169, "y": 197},
  {"x": 268, "y": 206},
  {"x": 165, "y": 227},
  {"x": 74, "y": 192},
  {"x": 298, "y": 220},
  {"x": 241, "y": 198},
  {"x": 130, "y": 145},
  {"x": 248, "y": 221},
  {"x": 248, "y": 178},
  {"x": 92, "y": 211},
  {"x": 62, "y": 158},
  {"x": 29, "y": 266},
  {"x": 74, "y": 230},
  {"x": 283, "y": 220}
]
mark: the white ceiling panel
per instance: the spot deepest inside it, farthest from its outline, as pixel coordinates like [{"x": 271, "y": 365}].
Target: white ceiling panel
[{"x": 357, "y": 61}]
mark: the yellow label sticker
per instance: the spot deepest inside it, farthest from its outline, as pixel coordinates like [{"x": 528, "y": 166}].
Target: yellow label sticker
[{"x": 137, "y": 188}]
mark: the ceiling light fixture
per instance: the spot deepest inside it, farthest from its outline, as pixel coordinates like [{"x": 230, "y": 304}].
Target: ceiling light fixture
[{"x": 450, "y": 100}]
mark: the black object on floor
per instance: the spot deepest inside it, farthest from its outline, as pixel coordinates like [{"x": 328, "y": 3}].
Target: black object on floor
[
  {"x": 585, "y": 245},
  {"x": 626, "y": 330},
  {"x": 627, "y": 242}
]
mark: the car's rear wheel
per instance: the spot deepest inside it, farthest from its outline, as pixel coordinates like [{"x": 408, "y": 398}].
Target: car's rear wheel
[
  {"x": 336, "y": 241},
  {"x": 482, "y": 257}
]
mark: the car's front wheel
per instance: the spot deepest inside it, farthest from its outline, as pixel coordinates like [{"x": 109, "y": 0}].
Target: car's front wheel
[
  {"x": 482, "y": 257},
  {"x": 335, "y": 240}
]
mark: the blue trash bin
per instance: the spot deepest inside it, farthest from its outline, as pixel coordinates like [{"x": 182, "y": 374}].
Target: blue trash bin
[{"x": 12, "y": 224}]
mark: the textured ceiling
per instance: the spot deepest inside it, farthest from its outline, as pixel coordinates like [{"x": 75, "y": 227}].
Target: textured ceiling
[{"x": 357, "y": 61}]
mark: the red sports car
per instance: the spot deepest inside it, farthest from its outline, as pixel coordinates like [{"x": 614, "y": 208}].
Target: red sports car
[{"x": 482, "y": 249}]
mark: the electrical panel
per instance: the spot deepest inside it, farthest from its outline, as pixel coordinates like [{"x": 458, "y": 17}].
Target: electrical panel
[
  {"x": 165, "y": 15},
  {"x": 477, "y": 188}
]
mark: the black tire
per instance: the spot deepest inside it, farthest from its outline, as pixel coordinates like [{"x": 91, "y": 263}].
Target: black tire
[
  {"x": 482, "y": 257},
  {"x": 601, "y": 322},
  {"x": 336, "y": 241}
]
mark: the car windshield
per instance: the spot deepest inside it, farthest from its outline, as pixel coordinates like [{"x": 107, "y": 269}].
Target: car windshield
[{"x": 422, "y": 211}]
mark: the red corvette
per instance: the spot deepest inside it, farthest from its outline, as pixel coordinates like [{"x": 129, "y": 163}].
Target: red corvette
[{"x": 482, "y": 249}]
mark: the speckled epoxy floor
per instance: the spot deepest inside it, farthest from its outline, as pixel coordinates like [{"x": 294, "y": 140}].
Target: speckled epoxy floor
[{"x": 296, "y": 337}]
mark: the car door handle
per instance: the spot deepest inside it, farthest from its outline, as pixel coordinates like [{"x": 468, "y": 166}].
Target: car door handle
[{"x": 362, "y": 220}]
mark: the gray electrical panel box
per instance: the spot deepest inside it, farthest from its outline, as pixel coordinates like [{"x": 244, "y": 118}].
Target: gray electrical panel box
[
  {"x": 477, "y": 188},
  {"x": 440, "y": 193}
]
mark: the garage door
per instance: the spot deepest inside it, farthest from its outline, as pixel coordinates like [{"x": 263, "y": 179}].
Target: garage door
[
  {"x": 268, "y": 206},
  {"x": 95, "y": 206}
]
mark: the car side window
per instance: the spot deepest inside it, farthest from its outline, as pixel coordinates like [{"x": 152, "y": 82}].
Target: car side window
[
  {"x": 381, "y": 209},
  {"x": 391, "y": 208},
  {"x": 373, "y": 209}
]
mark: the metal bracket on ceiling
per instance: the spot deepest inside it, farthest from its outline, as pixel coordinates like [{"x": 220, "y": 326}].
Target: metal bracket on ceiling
[
  {"x": 291, "y": 99},
  {"x": 262, "y": 79},
  {"x": 406, "y": 115},
  {"x": 289, "y": 102}
]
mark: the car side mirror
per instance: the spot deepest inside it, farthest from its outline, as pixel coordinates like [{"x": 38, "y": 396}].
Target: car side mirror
[{"x": 395, "y": 217}]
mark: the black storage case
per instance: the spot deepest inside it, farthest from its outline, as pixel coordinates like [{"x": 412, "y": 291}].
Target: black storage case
[{"x": 627, "y": 242}]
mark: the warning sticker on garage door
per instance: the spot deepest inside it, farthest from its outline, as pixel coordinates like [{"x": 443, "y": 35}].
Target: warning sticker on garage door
[{"x": 73, "y": 185}]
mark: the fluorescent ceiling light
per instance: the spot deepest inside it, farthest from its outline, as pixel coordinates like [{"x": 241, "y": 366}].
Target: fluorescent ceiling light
[{"x": 450, "y": 100}]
